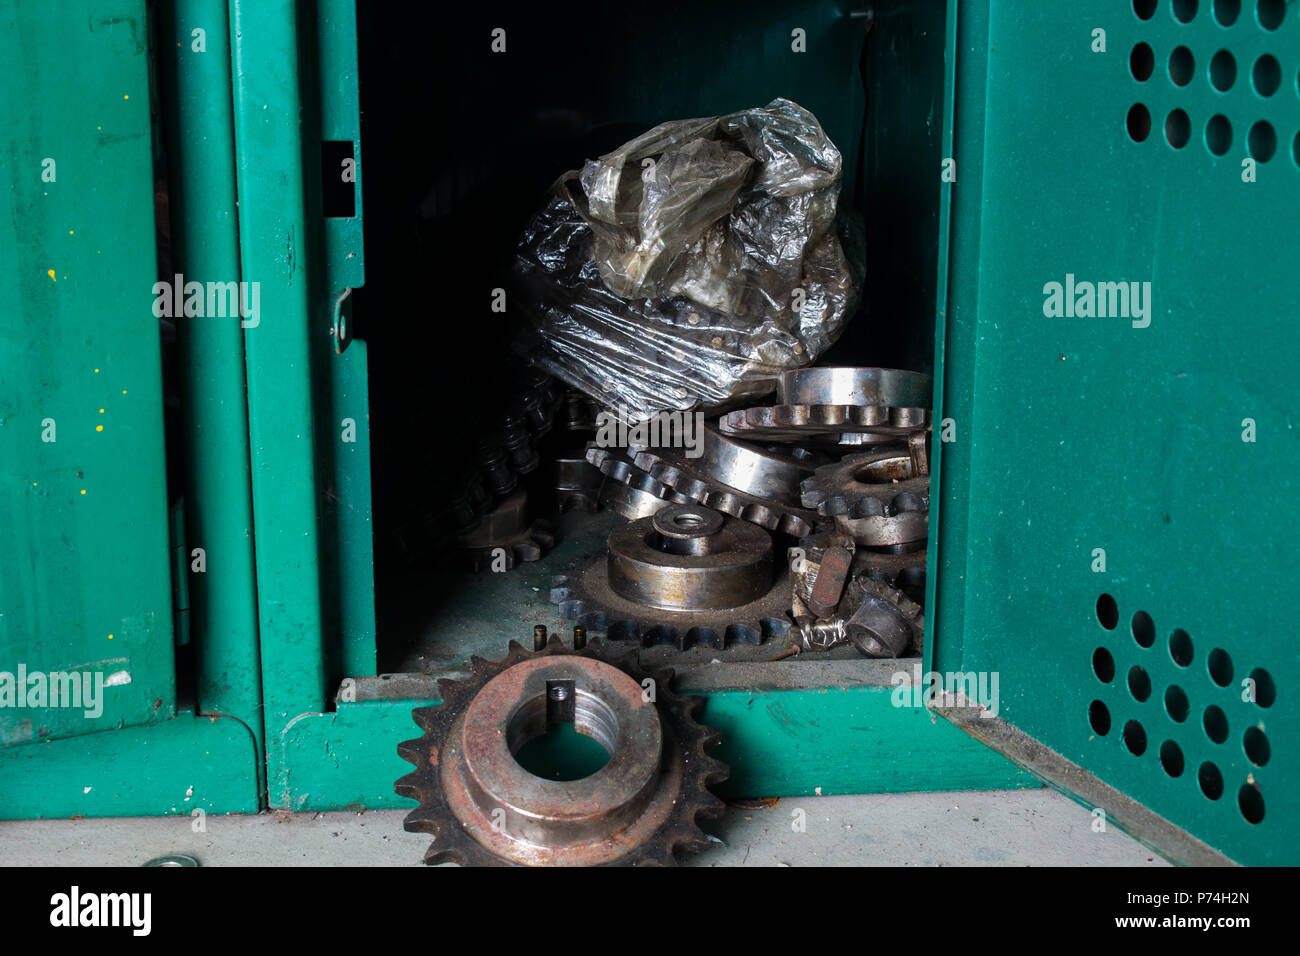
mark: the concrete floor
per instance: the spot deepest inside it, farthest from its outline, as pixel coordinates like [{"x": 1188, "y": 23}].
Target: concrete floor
[{"x": 973, "y": 828}]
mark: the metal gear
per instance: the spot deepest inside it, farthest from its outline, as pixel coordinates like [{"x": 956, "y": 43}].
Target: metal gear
[
  {"x": 484, "y": 809},
  {"x": 874, "y": 497},
  {"x": 627, "y": 489},
  {"x": 687, "y": 576},
  {"x": 577, "y": 484},
  {"x": 805, "y": 422},
  {"x": 845, "y": 385},
  {"x": 506, "y": 533},
  {"x": 755, "y": 483},
  {"x": 883, "y": 621}
]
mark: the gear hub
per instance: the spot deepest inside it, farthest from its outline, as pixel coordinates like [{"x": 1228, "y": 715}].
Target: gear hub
[{"x": 483, "y": 808}]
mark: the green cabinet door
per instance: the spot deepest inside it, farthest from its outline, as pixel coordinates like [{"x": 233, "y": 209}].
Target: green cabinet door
[
  {"x": 1118, "y": 329},
  {"x": 85, "y": 582}
]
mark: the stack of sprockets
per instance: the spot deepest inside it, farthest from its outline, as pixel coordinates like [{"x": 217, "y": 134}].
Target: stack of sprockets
[{"x": 805, "y": 520}]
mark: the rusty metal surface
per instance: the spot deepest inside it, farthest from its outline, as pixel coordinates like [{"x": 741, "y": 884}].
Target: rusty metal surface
[
  {"x": 686, "y": 576},
  {"x": 876, "y": 497},
  {"x": 828, "y": 585},
  {"x": 627, "y": 489},
  {"x": 506, "y": 533},
  {"x": 755, "y": 484},
  {"x": 483, "y": 808}
]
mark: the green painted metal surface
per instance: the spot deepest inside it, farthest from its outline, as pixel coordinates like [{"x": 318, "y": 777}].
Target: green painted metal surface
[
  {"x": 85, "y": 581},
  {"x": 172, "y": 767},
  {"x": 275, "y": 238},
  {"x": 778, "y": 742},
  {"x": 195, "y": 92},
  {"x": 1076, "y": 436},
  {"x": 344, "y": 401}
]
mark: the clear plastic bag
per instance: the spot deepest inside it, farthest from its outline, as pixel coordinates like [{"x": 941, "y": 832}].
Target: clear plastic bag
[{"x": 692, "y": 265}]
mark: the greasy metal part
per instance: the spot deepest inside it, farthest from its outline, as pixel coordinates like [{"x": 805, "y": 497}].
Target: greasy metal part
[
  {"x": 689, "y": 558},
  {"x": 172, "y": 859},
  {"x": 828, "y": 584},
  {"x": 579, "y": 637},
  {"x": 627, "y": 489},
  {"x": 844, "y": 385},
  {"x": 518, "y": 441},
  {"x": 579, "y": 412},
  {"x": 805, "y": 422},
  {"x": 875, "y": 497},
  {"x": 483, "y": 809},
  {"x": 577, "y": 485},
  {"x": 687, "y": 576},
  {"x": 499, "y": 477},
  {"x": 757, "y": 484},
  {"x": 538, "y": 401},
  {"x": 884, "y": 621},
  {"x": 505, "y": 536},
  {"x": 539, "y": 637},
  {"x": 918, "y": 447}
]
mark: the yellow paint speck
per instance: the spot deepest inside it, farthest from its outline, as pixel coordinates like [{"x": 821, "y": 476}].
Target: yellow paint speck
[
  {"x": 96, "y": 371},
  {"x": 101, "y": 411},
  {"x": 83, "y": 491},
  {"x": 123, "y": 391},
  {"x": 72, "y": 232},
  {"x": 126, "y": 96},
  {"x": 50, "y": 273},
  {"x": 110, "y": 637},
  {"x": 99, "y": 428}
]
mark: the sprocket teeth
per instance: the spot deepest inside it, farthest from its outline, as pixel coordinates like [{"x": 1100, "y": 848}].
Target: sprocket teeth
[{"x": 453, "y": 844}]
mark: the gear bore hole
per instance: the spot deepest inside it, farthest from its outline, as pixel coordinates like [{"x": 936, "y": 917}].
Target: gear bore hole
[{"x": 563, "y": 749}]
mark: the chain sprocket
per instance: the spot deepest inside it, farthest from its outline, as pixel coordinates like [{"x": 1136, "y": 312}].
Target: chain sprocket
[
  {"x": 875, "y": 497},
  {"x": 483, "y": 809}
]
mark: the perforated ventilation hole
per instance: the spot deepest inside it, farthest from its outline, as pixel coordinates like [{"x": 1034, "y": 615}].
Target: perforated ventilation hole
[
  {"x": 1107, "y": 612},
  {"x": 1144, "y": 630},
  {"x": 1215, "y": 722},
  {"x": 1139, "y": 684},
  {"x": 1099, "y": 717},
  {"x": 1220, "y": 667},
  {"x": 1211, "y": 780},
  {"x": 1180, "y": 647},
  {"x": 1171, "y": 758},
  {"x": 1262, "y": 141},
  {"x": 1223, "y": 71},
  {"x": 1265, "y": 690},
  {"x": 1251, "y": 803},
  {"x": 1139, "y": 123},
  {"x": 1226, "y": 11},
  {"x": 1270, "y": 13},
  {"x": 1218, "y": 134},
  {"x": 1142, "y": 62},
  {"x": 1184, "y": 10},
  {"x": 1182, "y": 66},
  {"x": 1135, "y": 738},
  {"x": 1255, "y": 743},
  {"x": 1103, "y": 665},
  {"x": 1176, "y": 705},
  {"x": 1145, "y": 9},
  {"x": 1266, "y": 76},
  {"x": 1178, "y": 129}
]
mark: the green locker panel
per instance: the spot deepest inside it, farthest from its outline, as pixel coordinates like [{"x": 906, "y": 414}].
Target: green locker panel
[
  {"x": 1117, "y": 510},
  {"x": 85, "y": 582}
]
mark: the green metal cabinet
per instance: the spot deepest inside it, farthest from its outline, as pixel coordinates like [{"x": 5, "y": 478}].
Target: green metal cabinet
[{"x": 1094, "y": 498}]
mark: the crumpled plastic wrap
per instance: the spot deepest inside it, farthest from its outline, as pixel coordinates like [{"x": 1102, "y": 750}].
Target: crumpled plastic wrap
[{"x": 689, "y": 267}]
